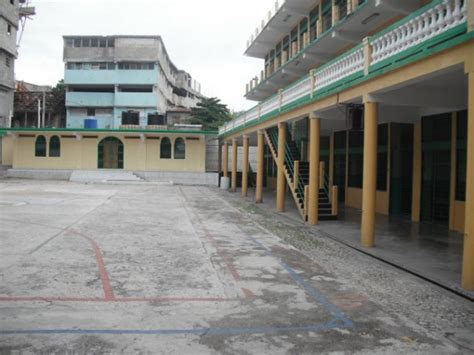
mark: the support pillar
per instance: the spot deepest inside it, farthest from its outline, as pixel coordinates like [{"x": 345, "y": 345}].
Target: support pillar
[
  {"x": 225, "y": 160},
  {"x": 370, "y": 174},
  {"x": 245, "y": 166},
  {"x": 233, "y": 186},
  {"x": 468, "y": 257},
  {"x": 260, "y": 164},
  {"x": 281, "y": 184},
  {"x": 314, "y": 166}
]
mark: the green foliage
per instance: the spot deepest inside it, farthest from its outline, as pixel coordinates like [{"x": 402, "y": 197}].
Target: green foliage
[
  {"x": 58, "y": 94},
  {"x": 210, "y": 113}
]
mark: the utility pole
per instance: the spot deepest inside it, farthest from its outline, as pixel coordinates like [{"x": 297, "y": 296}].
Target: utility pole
[
  {"x": 43, "y": 116},
  {"x": 39, "y": 114}
]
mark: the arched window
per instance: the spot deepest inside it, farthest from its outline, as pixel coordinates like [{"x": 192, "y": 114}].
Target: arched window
[
  {"x": 40, "y": 146},
  {"x": 165, "y": 148},
  {"x": 179, "y": 149},
  {"x": 54, "y": 147}
]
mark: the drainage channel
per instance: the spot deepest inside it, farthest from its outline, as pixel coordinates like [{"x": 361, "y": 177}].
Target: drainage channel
[{"x": 457, "y": 292}]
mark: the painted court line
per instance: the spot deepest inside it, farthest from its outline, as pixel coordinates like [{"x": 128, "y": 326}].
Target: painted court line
[
  {"x": 194, "y": 331},
  {"x": 104, "y": 275},
  {"x": 118, "y": 300},
  {"x": 339, "y": 321}
]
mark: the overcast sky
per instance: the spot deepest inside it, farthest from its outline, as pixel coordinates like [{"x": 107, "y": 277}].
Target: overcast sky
[{"x": 206, "y": 38}]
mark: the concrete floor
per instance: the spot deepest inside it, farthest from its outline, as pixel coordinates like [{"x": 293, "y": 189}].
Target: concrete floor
[
  {"x": 179, "y": 269},
  {"x": 426, "y": 249}
]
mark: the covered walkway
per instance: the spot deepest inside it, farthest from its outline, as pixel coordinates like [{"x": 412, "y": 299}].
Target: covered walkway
[{"x": 428, "y": 250}]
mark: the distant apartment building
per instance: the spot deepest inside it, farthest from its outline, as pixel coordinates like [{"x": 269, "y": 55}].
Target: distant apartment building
[
  {"x": 9, "y": 16},
  {"x": 11, "y": 12},
  {"x": 123, "y": 82}
]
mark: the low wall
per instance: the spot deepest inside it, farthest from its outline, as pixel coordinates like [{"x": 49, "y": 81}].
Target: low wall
[
  {"x": 39, "y": 174},
  {"x": 181, "y": 178}
]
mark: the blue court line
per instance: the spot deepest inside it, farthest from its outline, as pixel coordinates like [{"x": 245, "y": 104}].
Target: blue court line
[
  {"x": 197, "y": 331},
  {"x": 313, "y": 292}
]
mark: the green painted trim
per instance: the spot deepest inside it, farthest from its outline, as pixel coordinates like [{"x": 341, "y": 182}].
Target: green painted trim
[
  {"x": 84, "y": 130},
  {"x": 435, "y": 45}
]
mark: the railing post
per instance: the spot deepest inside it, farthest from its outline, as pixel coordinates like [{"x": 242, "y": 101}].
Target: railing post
[
  {"x": 354, "y": 4},
  {"x": 312, "y": 74},
  {"x": 349, "y": 7},
  {"x": 335, "y": 12},
  {"x": 367, "y": 55},
  {"x": 321, "y": 175},
  {"x": 305, "y": 202},
  {"x": 297, "y": 173},
  {"x": 334, "y": 200}
]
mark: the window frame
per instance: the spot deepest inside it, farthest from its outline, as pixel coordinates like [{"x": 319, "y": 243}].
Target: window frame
[
  {"x": 54, "y": 147},
  {"x": 179, "y": 154},
  {"x": 167, "y": 141},
  {"x": 41, "y": 147}
]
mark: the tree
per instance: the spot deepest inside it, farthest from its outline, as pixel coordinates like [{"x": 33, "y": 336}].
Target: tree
[
  {"x": 58, "y": 96},
  {"x": 210, "y": 113}
]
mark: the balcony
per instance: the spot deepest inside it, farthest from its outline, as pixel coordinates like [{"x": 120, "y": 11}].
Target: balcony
[
  {"x": 358, "y": 19},
  {"x": 134, "y": 99},
  {"x": 89, "y": 99},
  {"x": 433, "y": 28},
  {"x": 110, "y": 77}
]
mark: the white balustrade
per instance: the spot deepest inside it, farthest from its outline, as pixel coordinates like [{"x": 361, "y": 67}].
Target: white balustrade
[
  {"x": 432, "y": 22},
  {"x": 296, "y": 91},
  {"x": 340, "y": 69},
  {"x": 270, "y": 105}
]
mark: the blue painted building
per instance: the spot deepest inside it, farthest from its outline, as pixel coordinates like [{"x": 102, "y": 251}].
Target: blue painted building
[{"x": 124, "y": 81}]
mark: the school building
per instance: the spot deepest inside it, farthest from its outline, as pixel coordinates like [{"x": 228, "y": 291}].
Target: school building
[{"x": 364, "y": 104}]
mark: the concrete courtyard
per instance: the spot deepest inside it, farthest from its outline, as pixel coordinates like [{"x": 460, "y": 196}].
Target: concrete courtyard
[{"x": 156, "y": 268}]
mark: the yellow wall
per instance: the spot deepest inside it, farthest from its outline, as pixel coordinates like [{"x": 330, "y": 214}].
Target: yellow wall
[
  {"x": 354, "y": 199},
  {"x": 459, "y": 214},
  {"x": 7, "y": 150},
  {"x": 139, "y": 155}
]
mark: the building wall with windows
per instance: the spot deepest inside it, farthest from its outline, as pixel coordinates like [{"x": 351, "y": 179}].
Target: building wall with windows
[
  {"x": 166, "y": 151},
  {"x": 118, "y": 75},
  {"x": 9, "y": 15}
]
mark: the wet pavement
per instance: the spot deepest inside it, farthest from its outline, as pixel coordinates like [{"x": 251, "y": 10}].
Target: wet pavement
[{"x": 163, "y": 269}]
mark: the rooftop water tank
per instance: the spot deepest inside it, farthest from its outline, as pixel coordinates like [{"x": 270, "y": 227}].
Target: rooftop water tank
[{"x": 90, "y": 123}]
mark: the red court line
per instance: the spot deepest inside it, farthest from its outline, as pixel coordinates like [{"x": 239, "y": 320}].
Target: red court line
[
  {"x": 248, "y": 293},
  {"x": 228, "y": 261},
  {"x": 104, "y": 275},
  {"x": 118, "y": 300}
]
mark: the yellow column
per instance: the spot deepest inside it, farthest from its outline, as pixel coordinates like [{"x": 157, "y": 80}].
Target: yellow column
[
  {"x": 468, "y": 258},
  {"x": 245, "y": 166},
  {"x": 370, "y": 174},
  {"x": 416, "y": 184},
  {"x": 314, "y": 152},
  {"x": 281, "y": 186},
  {"x": 233, "y": 186},
  {"x": 260, "y": 164},
  {"x": 225, "y": 160}
]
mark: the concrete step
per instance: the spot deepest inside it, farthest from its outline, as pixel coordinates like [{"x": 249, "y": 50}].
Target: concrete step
[{"x": 104, "y": 176}]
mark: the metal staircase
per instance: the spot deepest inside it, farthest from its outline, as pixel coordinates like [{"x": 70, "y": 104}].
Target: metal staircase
[{"x": 297, "y": 177}]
